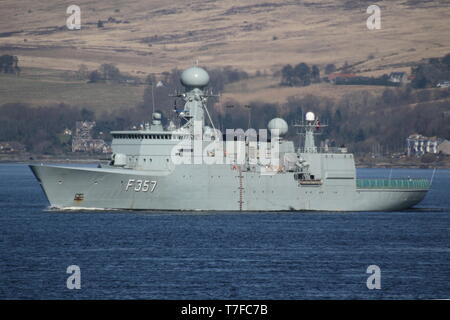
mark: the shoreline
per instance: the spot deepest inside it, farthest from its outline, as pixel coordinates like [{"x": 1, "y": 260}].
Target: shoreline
[
  {"x": 404, "y": 163},
  {"x": 360, "y": 163},
  {"x": 32, "y": 159}
]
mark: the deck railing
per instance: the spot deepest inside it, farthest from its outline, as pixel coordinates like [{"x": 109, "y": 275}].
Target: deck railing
[
  {"x": 323, "y": 150},
  {"x": 392, "y": 184}
]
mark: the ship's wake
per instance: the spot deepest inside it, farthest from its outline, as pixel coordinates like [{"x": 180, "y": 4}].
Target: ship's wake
[{"x": 75, "y": 209}]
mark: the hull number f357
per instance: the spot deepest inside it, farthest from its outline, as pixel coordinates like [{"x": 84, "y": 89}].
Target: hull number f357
[{"x": 141, "y": 185}]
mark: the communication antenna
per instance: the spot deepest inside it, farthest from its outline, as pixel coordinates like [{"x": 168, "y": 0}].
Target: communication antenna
[
  {"x": 249, "y": 107},
  {"x": 153, "y": 94},
  {"x": 308, "y": 126},
  {"x": 153, "y": 100}
]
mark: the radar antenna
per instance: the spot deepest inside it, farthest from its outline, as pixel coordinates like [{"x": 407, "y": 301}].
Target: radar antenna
[
  {"x": 195, "y": 80},
  {"x": 309, "y": 126}
]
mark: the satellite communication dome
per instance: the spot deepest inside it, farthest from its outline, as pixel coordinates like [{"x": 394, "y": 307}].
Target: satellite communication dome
[
  {"x": 278, "y": 127},
  {"x": 195, "y": 77},
  {"x": 310, "y": 116},
  {"x": 157, "y": 116}
]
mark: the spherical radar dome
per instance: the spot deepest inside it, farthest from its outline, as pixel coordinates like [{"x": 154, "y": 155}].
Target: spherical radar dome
[
  {"x": 278, "y": 124},
  {"x": 195, "y": 77},
  {"x": 157, "y": 115},
  {"x": 310, "y": 116}
]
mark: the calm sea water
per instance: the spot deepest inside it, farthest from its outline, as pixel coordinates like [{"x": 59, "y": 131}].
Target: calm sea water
[{"x": 143, "y": 255}]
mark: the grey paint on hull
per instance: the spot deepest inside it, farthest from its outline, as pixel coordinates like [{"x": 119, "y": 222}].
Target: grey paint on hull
[
  {"x": 144, "y": 174},
  {"x": 211, "y": 188}
]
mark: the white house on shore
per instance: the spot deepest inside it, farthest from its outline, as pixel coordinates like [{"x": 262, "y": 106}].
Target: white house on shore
[{"x": 418, "y": 145}]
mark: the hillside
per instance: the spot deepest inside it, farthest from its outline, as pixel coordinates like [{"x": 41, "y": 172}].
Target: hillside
[
  {"x": 47, "y": 88},
  {"x": 155, "y": 36},
  {"x": 143, "y": 37}
]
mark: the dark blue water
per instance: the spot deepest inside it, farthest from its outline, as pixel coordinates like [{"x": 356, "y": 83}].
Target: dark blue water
[{"x": 130, "y": 255}]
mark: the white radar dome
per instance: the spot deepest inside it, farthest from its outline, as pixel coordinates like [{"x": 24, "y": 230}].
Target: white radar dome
[
  {"x": 195, "y": 77},
  {"x": 310, "y": 116},
  {"x": 157, "y": 116},
  {"x": 278, "y": 127}
]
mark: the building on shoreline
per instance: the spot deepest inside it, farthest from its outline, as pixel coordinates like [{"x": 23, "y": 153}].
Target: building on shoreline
[
  {"x": 418, "y": 145},
  {"x": 83, "y": 141},
  {"x": 11, "y": 147}
]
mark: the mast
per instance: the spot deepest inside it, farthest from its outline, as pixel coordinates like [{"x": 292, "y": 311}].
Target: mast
[
  {"x": 309, "y": 126},
  {"x": 194, "y": 80}
]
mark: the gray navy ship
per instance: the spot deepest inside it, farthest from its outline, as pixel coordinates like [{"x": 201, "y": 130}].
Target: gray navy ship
[{"x": 194, "y": 167}]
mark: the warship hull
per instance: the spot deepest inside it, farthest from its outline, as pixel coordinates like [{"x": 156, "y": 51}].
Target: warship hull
[
  {"x": 194, "y": 167},
  {"x": 213, "y": 188}
]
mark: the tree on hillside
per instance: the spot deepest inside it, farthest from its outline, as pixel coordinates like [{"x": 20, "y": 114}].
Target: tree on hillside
[
  {"x": 315, "y": 74},
  {"x": 330, "y": 68},
  {"x": 287, "y": 76},
  {"x": 346, "y": 68},
  {"x": 150, "y": 79},
  {"x": 9, "y": 64},
  {"x": 83, "y": 72},
  {"x": 302, "y": 74},
  {"x": 233, "y": 75},
  {"x": 360, "y": 136},
  {"x": 95, "y": 76},
  {"x": 109, "y": 72},
  {"x": 389, "y": 97},
  {"x": 87, "y": 115},
  {"x": 446, "y": 61},
  {"x": 37, "y": 127},
  {"x": 425, "y": 75},
  {"x": 431, "y": 72}
]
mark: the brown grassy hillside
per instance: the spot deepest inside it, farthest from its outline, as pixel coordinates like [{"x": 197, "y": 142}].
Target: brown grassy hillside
[
  {"x": 155, "y": 36},
  {"x": 226, "y": 32}
]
